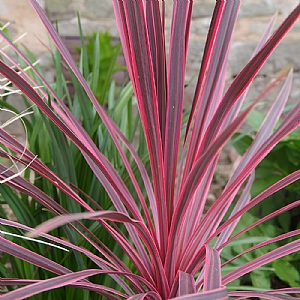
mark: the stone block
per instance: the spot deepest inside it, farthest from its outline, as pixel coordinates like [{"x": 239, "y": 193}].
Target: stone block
[
  {"x": 195, "y": 52},
  {"x": 70, "y": 27},
  {"x": 202, "y": 9},
  {"x": 199, "y": 27},
  {"x": 257, "y": 8},
  {"x": 60, "y": 9},
  {"x": 98, "y": 9}
]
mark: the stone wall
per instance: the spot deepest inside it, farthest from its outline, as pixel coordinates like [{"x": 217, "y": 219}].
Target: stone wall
[{"x": 98, "y": 15}]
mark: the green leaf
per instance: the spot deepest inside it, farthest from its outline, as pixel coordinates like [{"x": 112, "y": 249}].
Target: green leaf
[
  {"x": 260, "y": 279},
  {"x": 241, "y": 142},
  {"x": 285, "y": 221},
  {"x": 287, "y": 273},
  {"x": 255, "y": 119}
]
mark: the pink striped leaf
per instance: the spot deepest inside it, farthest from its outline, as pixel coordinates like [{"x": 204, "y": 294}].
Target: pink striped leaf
[
  {"x": 219, "y": 205},
  {"x": 148, "y": 295},
  {"x": 265, "y": 295},
  {"x": 112, "y": 129},
  {"x": 245, "y": 77},
  {"x": 264, "y": 132},
  {"x": 217, "y": 294},
  {"x": 108, "y": 176},
  {"x": 132, "y": 24},
  {"x": 176, "y": 75},
  {"x": 167, "y": 243},
  {"x": 221, "y": 33},
  {"x": 27, "y": 255},
  {"x": 73, "y": 123},
  {"x": 196, "y": 211},
  {"x": 50, "y": 284},
  {"x": 186, "y": 284},
  {"x": 112, "y": 264},
  {"x": 196, "y": 175},
  {"x": 212, "y": 272},
  {"x": 209, "y": 45},
  {"x": 158, "y": 56},
  {"x": 116, "y": 217}
]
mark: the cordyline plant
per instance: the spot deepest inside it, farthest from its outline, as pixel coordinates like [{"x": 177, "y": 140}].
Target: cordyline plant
[{"x": 173, "y": 247}]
